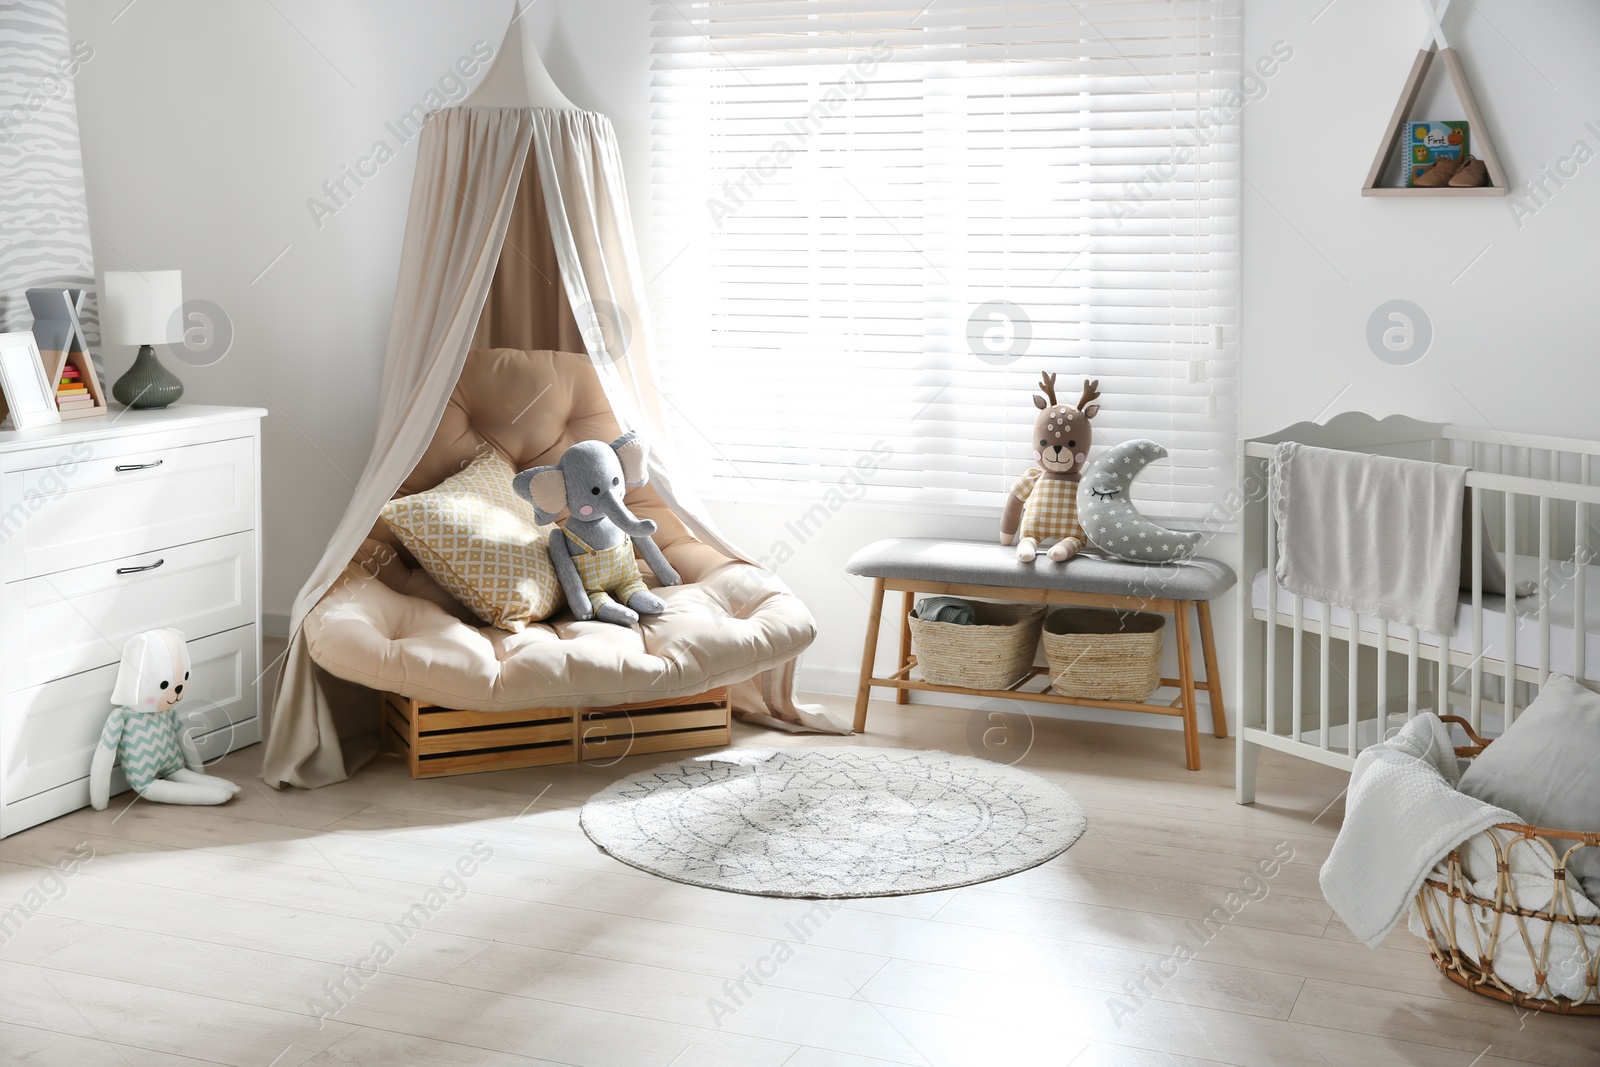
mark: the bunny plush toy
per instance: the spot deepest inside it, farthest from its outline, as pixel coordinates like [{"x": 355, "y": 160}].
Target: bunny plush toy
[
  {"x": 593, "y": 550},
  {"x": 159, "y": 760}
]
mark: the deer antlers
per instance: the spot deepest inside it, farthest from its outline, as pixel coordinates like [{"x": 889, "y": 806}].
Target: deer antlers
[
  {"x": 1047, "y": 384},
  {"x": 1091, "y": 392}
]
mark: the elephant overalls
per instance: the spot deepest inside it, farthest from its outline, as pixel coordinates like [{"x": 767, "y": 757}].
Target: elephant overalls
[{"x": 608, "y": 574}]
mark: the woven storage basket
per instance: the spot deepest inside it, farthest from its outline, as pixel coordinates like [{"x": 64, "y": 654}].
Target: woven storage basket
[
  {"x": 993, "y": 653},
  {"x": 1467, "y": 934},
  {"x": 1103, "y": 655}
]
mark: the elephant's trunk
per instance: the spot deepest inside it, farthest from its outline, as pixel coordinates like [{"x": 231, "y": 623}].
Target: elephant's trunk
[{"x": 629, "y": 523}]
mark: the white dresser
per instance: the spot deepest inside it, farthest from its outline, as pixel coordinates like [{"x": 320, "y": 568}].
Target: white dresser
[{"x": 110, "y": 526}]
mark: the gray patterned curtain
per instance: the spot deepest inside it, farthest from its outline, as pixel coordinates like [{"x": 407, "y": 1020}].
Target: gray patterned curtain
[{"x": 45, "y": 239}]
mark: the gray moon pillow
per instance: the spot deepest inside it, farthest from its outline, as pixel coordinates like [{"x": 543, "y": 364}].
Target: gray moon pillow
[
  {"x": 1546, "y": 768},
  {"x": 1108, "y": 516}
]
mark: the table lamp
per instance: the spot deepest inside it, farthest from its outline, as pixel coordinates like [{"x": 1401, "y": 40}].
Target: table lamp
[{"x": 142, "y": 307}]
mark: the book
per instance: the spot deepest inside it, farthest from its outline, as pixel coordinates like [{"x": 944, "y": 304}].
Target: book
[{"x": 1429, "y": 140}]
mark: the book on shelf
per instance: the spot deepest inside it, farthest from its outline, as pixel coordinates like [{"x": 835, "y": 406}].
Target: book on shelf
[{"x": 1429, "y": 140}]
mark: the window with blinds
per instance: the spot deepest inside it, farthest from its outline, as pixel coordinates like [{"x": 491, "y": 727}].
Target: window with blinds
[{"x": 876, "y": 225}]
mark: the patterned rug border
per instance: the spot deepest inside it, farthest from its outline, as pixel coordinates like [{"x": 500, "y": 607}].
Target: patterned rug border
[{"x": 1072, "y": 811}]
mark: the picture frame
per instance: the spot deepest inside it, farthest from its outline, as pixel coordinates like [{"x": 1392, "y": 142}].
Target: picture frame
[{"x": 29, "y": 398}]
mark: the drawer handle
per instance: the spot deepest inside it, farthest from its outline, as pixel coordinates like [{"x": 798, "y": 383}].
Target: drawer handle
[
  {"x": 136, "y": 570},
  {"x": 123, "y": 468}
]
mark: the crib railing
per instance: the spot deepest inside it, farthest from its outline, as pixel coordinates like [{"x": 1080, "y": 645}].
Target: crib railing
[{"x": 1369, "y": 676}]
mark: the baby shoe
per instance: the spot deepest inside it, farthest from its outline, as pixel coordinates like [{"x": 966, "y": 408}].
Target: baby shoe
[
  {"x": 1438, "y": 175},
  {"x": 1473, "y": 172}
]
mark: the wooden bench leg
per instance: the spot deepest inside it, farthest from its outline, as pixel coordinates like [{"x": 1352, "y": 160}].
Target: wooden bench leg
[
  {"x": 1208, "y": 645},
  {"x": 869, "y": 653},
  {"x": 903, "y": 696},
  {"x": 1191, "y": 729}
]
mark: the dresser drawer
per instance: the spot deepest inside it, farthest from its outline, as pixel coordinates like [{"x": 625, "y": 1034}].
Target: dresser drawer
[
  {"x": 58, "y": 518},
  {"x": 48, "y": 733},
  {"x": 76, "y": 620}
]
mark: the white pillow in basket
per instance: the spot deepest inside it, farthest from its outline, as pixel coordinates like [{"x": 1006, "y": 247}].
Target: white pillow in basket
[
  {"x": 482, "y": 542},
  {"x": 1546, "y": 768}
]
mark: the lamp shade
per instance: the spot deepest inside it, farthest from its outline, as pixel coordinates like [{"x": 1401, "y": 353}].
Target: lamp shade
[{"x": 140, "y": 307}]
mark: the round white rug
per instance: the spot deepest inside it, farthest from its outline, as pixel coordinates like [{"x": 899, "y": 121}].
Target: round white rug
[{"x": 833, "y": 822}]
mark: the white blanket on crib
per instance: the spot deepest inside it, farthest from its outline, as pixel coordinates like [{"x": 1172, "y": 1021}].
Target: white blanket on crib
[
  {"x": 1403, "y": 814},
  {"x": 1374, "y": 534}
]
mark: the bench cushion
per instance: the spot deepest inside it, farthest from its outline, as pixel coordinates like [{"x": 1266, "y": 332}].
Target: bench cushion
[{"x": 931, "y": 559}]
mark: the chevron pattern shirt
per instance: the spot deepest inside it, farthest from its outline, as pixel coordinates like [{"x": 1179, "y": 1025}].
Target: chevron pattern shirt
[{"x": 146, "y": 742}]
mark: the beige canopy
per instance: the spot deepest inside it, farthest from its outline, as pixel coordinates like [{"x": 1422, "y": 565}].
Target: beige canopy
[{"x": 499, "y": 254}]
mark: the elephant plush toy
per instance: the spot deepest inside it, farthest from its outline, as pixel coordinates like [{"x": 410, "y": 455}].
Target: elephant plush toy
[
  {"x": 593, "y": 552},
  {"x": 159, "y": 760}
]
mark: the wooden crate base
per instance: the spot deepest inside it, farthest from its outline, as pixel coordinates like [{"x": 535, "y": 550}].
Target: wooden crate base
[
  {"x": 702, "y": 721},
  {"x": 439, "y": 741}
]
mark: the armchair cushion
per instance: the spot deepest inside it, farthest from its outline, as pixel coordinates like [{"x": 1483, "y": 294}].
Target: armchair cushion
[
  {"x": 390, "y": 624},
  {"x": 735, "y": 622}
]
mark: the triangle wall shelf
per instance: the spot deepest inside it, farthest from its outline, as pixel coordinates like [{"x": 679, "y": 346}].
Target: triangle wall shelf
[{"x": 1482, "y": 144}]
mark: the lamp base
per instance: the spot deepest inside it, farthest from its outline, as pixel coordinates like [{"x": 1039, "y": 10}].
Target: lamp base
[{"x": 147, "y": 384}]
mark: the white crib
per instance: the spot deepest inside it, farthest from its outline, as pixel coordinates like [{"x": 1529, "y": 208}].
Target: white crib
[{"x": 1316, "y": 683}]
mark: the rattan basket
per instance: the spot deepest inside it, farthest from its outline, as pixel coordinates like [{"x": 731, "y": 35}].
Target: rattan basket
[
  {"x": 995, "y": 652},
  {"x": 1466, "y": 951},
  {"x": 1103, "y": 655}
]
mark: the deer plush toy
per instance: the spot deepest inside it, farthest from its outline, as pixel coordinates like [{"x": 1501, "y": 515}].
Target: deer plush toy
[
  {"x": 158, "y": 758},
  {"x": 1044, "y": 501}
]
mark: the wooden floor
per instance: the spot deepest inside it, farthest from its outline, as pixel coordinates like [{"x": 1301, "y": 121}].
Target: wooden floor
[{"x": 263, "y": 933}]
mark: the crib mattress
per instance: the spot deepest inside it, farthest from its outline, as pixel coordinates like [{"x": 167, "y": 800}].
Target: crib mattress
[{"x": 1562, "y": 600}]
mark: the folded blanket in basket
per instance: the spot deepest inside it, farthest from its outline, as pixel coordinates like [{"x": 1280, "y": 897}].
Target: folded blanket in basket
[
  {"x": 1373, "y": 534},
  {"x": 1403, "y": 814},
  {"x": 946, "y": 609},
  {"x": 1565, "y": 949}
]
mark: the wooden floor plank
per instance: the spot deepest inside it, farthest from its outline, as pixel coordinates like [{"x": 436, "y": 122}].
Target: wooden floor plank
[{"x": 551, "y": 952}]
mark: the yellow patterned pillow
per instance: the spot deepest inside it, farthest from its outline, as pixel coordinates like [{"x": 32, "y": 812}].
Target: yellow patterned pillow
[{"x": 481, "y": 541}]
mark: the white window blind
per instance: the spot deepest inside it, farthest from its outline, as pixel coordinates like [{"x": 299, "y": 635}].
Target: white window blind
[{"x": 874, "y": 226}]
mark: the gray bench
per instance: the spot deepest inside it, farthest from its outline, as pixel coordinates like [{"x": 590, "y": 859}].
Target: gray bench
[{"x": 912, "y": 565}]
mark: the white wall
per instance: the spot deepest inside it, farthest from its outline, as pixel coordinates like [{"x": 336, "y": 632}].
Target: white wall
[
  {"x": 207, "y": 126},
  {"x": 1515, "y": 332}
]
